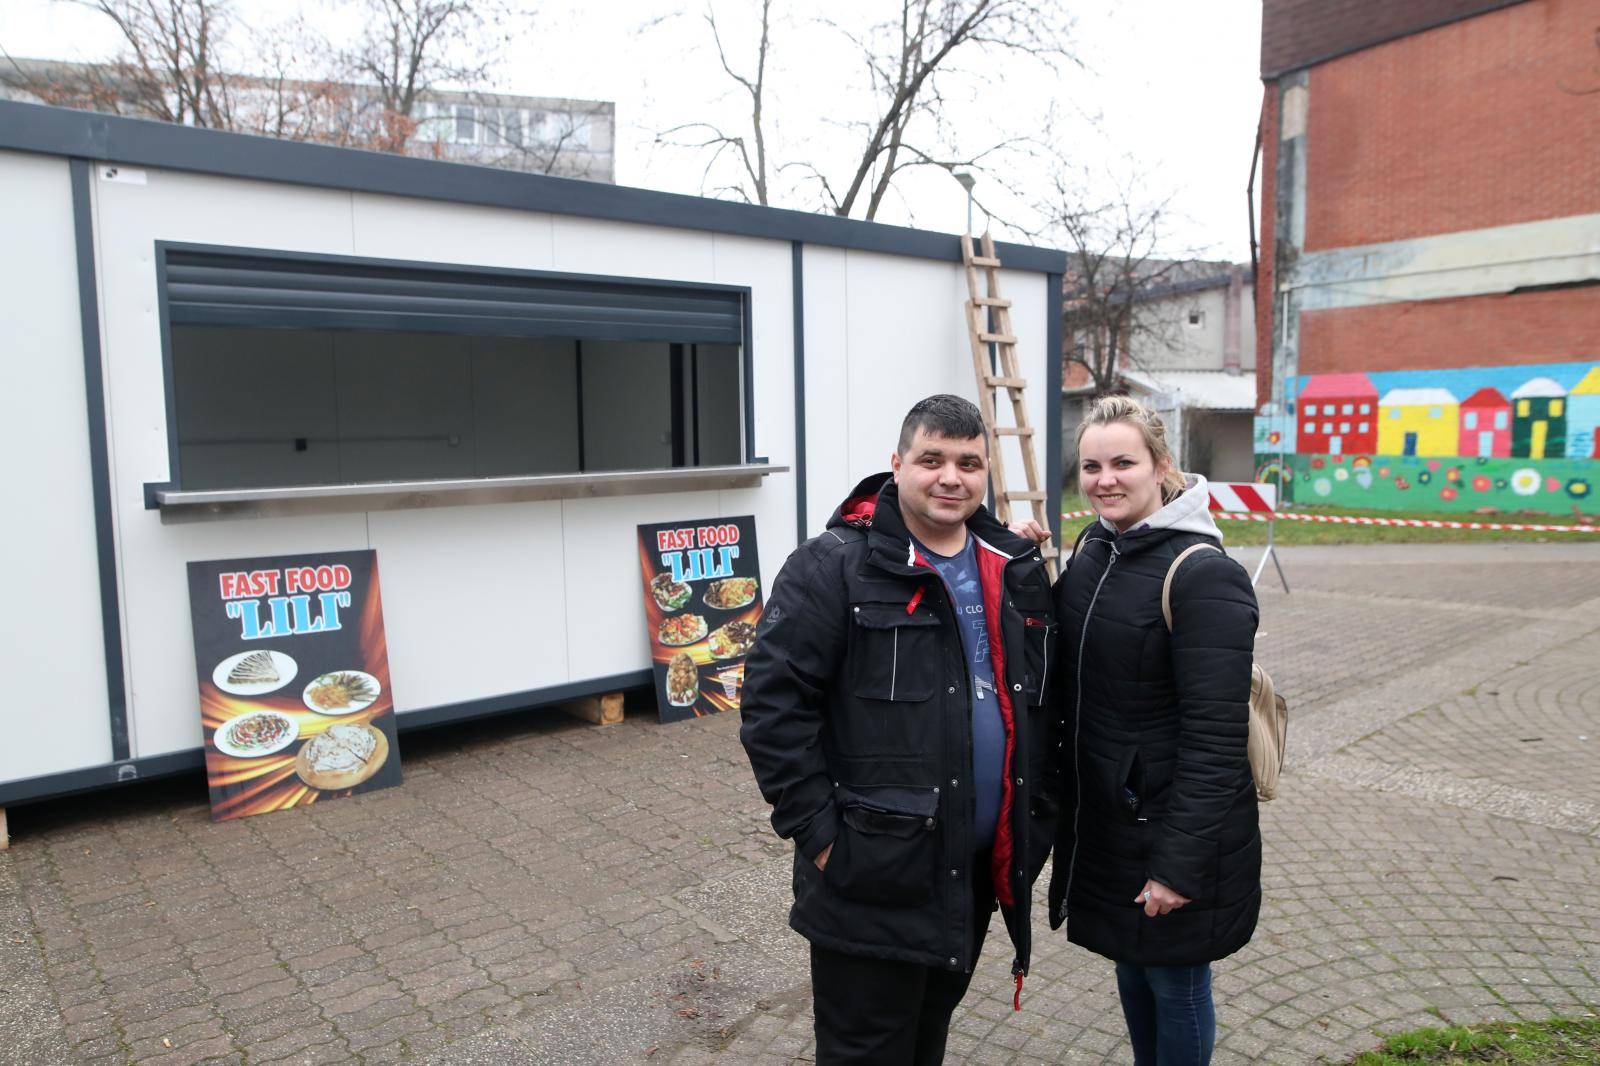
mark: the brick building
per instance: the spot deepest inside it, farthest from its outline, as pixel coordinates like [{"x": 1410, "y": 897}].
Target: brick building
[{"x": 1430, "y": 218}]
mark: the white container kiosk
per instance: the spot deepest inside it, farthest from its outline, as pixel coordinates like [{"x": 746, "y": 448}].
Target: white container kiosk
[{"x": 219, "y": 346}]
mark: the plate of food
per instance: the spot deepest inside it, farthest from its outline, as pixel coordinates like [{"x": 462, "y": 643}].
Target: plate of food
[
  {"x": 731, "y": 592},
  {"x": 255, "y": 733},
  {"x": 682, "y": 629},
  {"x": 252, "y": 673},
  {"x": 669, "y": 594},
  {"x": 683, "y": 680},
  {"x": 341, "y": 692},
  {"x": 732, "y": 639},
  {"x": 342, "y": 756}
]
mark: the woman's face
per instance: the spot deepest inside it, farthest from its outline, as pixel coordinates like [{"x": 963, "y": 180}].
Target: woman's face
[{"x": 1118, "y": 475}]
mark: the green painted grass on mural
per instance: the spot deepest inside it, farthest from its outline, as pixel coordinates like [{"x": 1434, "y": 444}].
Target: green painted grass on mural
[
  {"x": 1407, "y": 484},
  {"x": 1243, "y": 534}
]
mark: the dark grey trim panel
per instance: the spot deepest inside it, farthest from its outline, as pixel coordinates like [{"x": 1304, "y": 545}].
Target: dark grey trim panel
[
  {"x": 1053, "y": 305},
  {"x": 1307, "y": 64},
  {"x": 798, "y": 281},
  {"x": 99, "y": 457},
  {"x": 63, "y": 132},
  {"x": 127, "y": 771}
]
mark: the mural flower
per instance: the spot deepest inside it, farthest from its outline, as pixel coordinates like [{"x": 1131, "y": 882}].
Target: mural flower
[
  {"x": 1383, "y": 471},
  {"x": 1552, "y": 484},
  {"x": 1453, "y": 475},
  {"x": 1525, "y": 482},
  {"x": 1341, "y": 474},
  {"x": 1424, "y": 476},
  {"x": 1402, "y": 484},
  {"x": 1447, "y": 493},
  {"x": 1322, "y": 486},
  {"x": 1481, "y": 483},
  {"x": 1318, "y": 463},
  {"x": 1578, "y": 488},
  {"x": 1433, "y": 464},
  {"x": 1500, "y": 482}
]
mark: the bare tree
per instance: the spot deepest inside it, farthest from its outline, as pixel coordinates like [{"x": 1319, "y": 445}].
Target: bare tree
[
  {"x": 907, "y": 61},
  {"x": 1113, "y": 272},
  {"x": 166, "y": 68},
  {"x": 707, "y": 136}
]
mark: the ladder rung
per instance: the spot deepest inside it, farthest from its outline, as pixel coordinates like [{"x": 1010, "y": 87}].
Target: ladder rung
[
  {"x": 1013, "y": 431},
  {"x": 983, "y": 261},
  {"x": 1006, "y": 383},
  {"x": 991, "y": 301},
  {"x": 997, "y": 338},
  {"x": 1047, "y": 551},
  {"x": 1024, "y": 495}
]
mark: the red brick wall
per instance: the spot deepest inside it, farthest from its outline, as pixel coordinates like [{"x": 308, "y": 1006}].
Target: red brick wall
[
  {"x": 1554, "y": 326},
  {"x": 1484, "y": 122},
  {"x": 1298, "y": 33},
  {"x": 1266, "y": 197}
]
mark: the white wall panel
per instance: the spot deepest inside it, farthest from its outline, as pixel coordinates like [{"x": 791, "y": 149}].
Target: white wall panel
[
  {"x": 475, "y": 600},
  {"x": 54, "y": 716},
  {"x": 392, "y": 227},
  {"x": 830, "y": 472},
  {"x": 605, "y": 588},
  {"x": 130, "y": 218},
  {"x": 591, "y": 246}
]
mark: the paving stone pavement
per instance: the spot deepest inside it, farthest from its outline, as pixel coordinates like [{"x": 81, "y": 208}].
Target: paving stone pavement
[{"x": 543, "y": 891}]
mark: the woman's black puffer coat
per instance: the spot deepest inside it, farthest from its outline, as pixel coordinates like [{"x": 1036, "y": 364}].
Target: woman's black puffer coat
[{"x": 1153, "y": 775}]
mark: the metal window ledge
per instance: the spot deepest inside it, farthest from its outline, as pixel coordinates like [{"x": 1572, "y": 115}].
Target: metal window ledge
[{"x": 199, "y": 505}]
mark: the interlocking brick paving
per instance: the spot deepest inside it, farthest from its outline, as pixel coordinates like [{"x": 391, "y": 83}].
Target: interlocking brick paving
[{"x": 544, "y": 891}]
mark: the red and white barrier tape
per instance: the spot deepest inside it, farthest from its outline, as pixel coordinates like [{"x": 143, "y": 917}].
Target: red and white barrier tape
[{"x": 1365, "y": 520}]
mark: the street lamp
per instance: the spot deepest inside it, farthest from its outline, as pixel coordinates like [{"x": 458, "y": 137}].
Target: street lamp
[{"x": 967, "y": 180}]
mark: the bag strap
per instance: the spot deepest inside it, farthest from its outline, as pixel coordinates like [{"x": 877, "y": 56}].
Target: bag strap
[
  {"x": 1172, "y": 571},
  {"x": 1084, "y": 532}
]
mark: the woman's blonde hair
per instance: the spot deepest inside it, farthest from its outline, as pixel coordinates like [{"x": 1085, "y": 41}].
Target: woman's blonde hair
[{"x": 1110, "y": 409}]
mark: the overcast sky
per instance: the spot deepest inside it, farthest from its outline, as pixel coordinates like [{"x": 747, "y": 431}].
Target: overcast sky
[{"x": 1165, "y": 98}]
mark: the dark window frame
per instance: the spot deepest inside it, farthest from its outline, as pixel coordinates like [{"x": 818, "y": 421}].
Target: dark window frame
[{"x": 288, "y": 321}]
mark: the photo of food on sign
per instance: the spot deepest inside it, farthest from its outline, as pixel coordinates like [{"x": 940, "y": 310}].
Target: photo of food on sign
[
  {"x": 702, "y": 600},
  {"x": 293, "y": 667}
]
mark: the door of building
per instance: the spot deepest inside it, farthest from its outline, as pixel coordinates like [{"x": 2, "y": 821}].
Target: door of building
[
  {"x": 1335, "y": 445},
  {"x": 1486, "y": 443},
  {"x": 1410, "y": 445},
  {"x": 1541, "y": 431}
]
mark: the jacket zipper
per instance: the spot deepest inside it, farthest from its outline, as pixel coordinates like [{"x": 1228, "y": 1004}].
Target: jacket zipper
[
  {"x": 1077, "y": 720},
  {"x": 894, "y": 663}
]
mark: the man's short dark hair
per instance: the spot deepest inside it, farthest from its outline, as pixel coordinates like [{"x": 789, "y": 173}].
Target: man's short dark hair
[{"x": 943, "y": 415}]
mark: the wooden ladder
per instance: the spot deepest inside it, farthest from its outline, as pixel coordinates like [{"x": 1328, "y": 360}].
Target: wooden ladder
[{"x": 989, "y": 323}]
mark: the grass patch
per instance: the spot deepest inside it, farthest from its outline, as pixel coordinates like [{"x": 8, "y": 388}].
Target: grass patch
[
  {"x": 1547, "y": 1043},
  {"x": 1242, "y": 534}
]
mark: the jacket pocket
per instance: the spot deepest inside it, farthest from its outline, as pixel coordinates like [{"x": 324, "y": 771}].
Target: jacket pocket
[
  {"x": 894, "y": 653},
  {"x": 888, "y": 843}
]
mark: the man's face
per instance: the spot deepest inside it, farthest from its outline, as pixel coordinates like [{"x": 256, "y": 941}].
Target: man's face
[{"x": 942, "y": 480}]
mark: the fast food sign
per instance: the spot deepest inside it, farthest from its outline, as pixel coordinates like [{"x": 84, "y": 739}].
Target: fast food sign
[
  {"x": 702, "y": 600},
  {"x": 293, "y": 672}
]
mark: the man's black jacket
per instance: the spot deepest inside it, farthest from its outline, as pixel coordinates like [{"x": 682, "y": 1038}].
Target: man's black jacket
[{"x": 857, "y": 720}]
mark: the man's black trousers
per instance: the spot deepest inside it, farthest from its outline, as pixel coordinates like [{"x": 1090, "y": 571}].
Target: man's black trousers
[{"x": 892, "y": 1013}]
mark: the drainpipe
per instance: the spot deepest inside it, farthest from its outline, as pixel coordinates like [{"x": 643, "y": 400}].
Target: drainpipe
[{"x": 1232, "y": 305}]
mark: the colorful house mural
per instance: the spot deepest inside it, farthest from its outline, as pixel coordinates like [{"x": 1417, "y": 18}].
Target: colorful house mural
[
  {"x": 1338, "y": 414},
  {"x": 1419, "y": 422},
  {"x": 1526, "y": 438},
  {"x": 1583, "y": 418},
  {"x": 1485, "y": 424},
  {"x": 1539, "y": 421}
]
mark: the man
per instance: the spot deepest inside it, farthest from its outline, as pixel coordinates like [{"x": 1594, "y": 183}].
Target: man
[{"x": 894, "y": 714}]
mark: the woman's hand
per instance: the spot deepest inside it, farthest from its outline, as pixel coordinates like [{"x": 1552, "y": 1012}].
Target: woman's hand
[
  {"x": 1159, "y": 899},
  {"x": 1031, "y": 530}
]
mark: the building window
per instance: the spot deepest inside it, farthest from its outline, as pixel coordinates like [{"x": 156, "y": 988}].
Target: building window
[
  {"x": 1500, "y": 420},
  {"x": 1470, "y": 420},
  {"x": 466, "y": 125},
  {"x": 1344, "y": 427},
  {"x": 1197, "y": 319},
  {"x": 1435, "y": 412},
  {"x": 1394, "y": 413},
  {"x": 1348, "y": 409},
  {"x": 1362, "y": 428},
  {"x": 1522, "y": 408},
  {"x": 1556, "y": 407},
  {"x": 511, "y": 126},
  {"x": 1310, "y": 427},
  {"x": 1311, "y": 408},
  {"x": 1365, "y": 409},
  {"x": 1327, "y": 427}
]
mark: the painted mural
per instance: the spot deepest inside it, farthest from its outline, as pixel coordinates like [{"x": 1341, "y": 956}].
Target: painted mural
[{"x": 1511, "y": 438}]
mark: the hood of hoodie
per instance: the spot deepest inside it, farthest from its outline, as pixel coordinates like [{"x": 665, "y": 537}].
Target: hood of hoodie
[{"x": 1189, "y": 512}]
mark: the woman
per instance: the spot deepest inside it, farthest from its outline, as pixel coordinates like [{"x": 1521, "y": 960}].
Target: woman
[{"x": 1158, "y": 861}]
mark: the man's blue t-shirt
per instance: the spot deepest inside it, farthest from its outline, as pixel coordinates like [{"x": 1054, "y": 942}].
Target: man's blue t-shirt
[{"x": 960, "y": 573}]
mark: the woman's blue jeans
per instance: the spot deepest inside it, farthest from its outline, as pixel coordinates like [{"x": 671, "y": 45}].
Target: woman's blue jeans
[{"x": 1171, "y": 1019}]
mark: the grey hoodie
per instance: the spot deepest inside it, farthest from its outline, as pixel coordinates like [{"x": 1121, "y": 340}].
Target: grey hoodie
[{"x": 1189, "y": 512}]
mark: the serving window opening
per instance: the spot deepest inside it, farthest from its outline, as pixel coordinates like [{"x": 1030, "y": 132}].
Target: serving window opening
[{"x": 293, "y": 373}]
